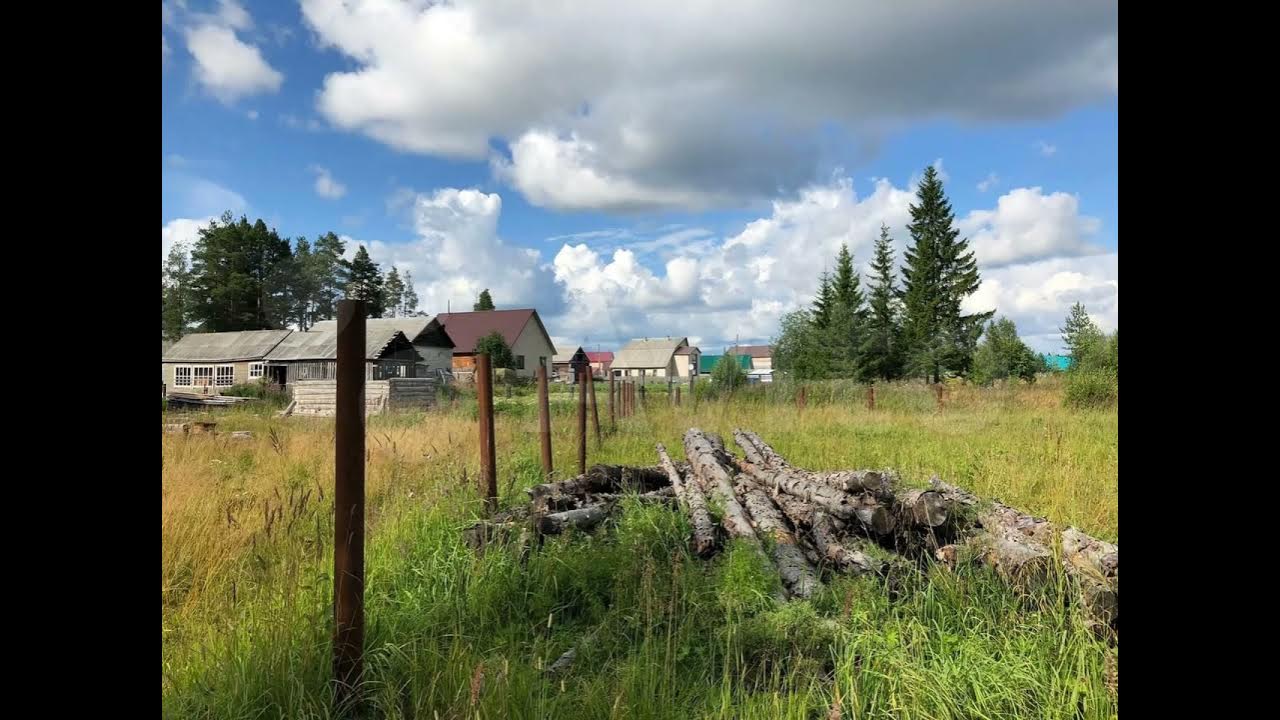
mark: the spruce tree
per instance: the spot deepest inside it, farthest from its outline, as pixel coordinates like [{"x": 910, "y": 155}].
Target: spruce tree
[
  {"x": 845, "y": 286},
  {"x": 938, "y": 274},
  {"x": 364, "y": 282},
  {"x": 880, "y": 353},
  {"x": 409, "y": 299},
  {"x": 485, "y": 302},
  {"x": 824, "y": 303},
  {"x": 393, "y": 288}
]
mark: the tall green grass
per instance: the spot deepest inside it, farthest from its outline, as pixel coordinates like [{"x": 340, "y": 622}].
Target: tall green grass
[{"x": 246, "y": 575}]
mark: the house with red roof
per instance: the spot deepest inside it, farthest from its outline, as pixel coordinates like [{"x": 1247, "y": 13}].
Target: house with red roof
[{"x": 522, "y": 329}]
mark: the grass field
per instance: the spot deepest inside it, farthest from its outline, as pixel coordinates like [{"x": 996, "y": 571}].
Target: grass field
[{"x": 247, "y": 558}]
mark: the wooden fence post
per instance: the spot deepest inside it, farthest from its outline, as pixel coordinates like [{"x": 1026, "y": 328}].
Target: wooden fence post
[{"x": 348, "y": 503}]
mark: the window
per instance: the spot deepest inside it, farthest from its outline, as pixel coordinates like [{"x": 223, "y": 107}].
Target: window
[
  {"x": 542, "y": 361},
  {"x": 182, "y": 376},
  {"x": 226, "y": 375},
  {"x": 519, "y": 362},
  {"x": 255, "y": 370},
  {"x": 202, "y": 376}
]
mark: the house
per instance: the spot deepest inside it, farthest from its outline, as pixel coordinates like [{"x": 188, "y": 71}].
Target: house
[
  {"x": 565, "y": 364},
  {"x": 601, "y": 363},
  {"x": 707, "y": 363},
  {"x": 661, "y": 357},
  {"x": 522, "y": 329},
  {"x": 204, "y": 362},
  {"x": 313, "y": 355},
  {"x": 1057, "y": 363},
  {"x": 761, "y": 355},
  {"x": 425, "y": 332}
]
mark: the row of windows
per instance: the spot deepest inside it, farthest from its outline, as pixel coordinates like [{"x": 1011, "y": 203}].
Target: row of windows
[{"x": 206, "y": 375}]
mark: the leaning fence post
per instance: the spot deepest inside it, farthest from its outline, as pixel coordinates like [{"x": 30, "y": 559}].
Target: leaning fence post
[
  {"x": 595, "y": 414},
  {"x": 488, "y": 464},
  {"x": 348, "y": 502},
  {"x": 544, "y": 422},
  {"x": 582, "y": 422}
]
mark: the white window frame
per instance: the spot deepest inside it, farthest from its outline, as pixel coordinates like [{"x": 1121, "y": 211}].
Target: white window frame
[
  {"x": 201, "y": 372},
  {"x": 177, "y": 376},
  {"x": 256, "y": 370},
  {"x": 224, "y": 372}
]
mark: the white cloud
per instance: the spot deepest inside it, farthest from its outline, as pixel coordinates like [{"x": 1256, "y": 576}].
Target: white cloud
[
  {"x": 1046, "y": 149},
  {"x": 1029, "y": 225},
  {"x": 180, "y": 230},
  {"x": 164, "y": 51},
  {"x": 665, "y": 104},
  {"x": 326, "y": 185},
  {"x": 252, "y": 114},
  {"x": 227, "y": 67},
  {"x": 191, "y": 196},
  {"x": 458, "y": 253},
  {"x": 990, "y": 181}
]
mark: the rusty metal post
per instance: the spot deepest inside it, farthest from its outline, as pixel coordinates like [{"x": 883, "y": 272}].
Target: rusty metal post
[
  {"x": 937, "y": 393},
  {"x": 595, "y": 414},
  {"x": 582, "y": 422},
  {"x": 488, "y": 464},
  {"x": 871, "y": 397},
  {"x": 613, "y": 415},
  {"x": 544, "y": 422},
  {"x": 348, "y": 502},
  {"x": 642, "y": 394},
  {"x": 677, "y": 396},
  {"x": 801, "y": 400}
]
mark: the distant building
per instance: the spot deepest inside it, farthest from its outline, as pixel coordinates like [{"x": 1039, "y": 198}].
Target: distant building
[
  {"x": 761, "y": 355},
  {"x": 566, "y": 364},
  {"x": 204, "y": 362},
  {"x": 313, "y": 355},
  {"x": 660, "y": 358},
  {"x": 708, "y": 363},
  {"x": 425, "y": 332},
  {"x": 601, "y": 363},
  {"x": 1057, "y": 363},
  {"x": 522, "y": 329}
]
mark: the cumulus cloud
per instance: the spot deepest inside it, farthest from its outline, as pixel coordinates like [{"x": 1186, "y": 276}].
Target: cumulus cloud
[
  {"x": 458, "y": 253},
  {"x": 326, "y": 186},
  {"x": 990, "y": 181},
  {"x": 664, "y": 104},
  {"x": 190, "y": 196},
  {"x": 182, "y": 231},
  {"x": 227, "y": 67},
  {"x": 1029, "y": 225}
]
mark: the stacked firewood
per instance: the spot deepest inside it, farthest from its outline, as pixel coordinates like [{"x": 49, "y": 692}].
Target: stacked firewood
[{"x": 810, "y": 523}]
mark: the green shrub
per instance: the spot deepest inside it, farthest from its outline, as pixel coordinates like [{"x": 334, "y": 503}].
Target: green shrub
[{"x": 1091, "y": 389}]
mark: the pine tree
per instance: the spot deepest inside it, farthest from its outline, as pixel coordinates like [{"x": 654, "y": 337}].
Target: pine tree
[
  {"x": 364, "y": 282},
  {"x": 409, "y": 299},
  {"x": 239, "y": 276},
  {"x": 880, "y": 353},
  {"x": 328, "y": 270},
  {"x": 304, "y": 285},
  {"x": 176, "y": 284},
  {"x": 393, "y": 288},
  {"x": 824, "y": 303},
  {"x": 938, "y": 274},
  {"x": 485, "y": 302}
]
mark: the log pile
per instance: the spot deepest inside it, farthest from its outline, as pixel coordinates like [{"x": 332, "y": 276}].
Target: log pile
[{"x": 810, "y": 524}]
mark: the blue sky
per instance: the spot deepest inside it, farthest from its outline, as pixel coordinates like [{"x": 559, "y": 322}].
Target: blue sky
[{"x": 649, "y": 171}]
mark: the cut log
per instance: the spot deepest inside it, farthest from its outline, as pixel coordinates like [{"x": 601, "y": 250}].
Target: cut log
[
  {"x": 1095, "y": 566},
  {"x": 714, "y": 477},
  {"x": 846, "y": 555},
  {"x": 242, "y": 435},
  {"x": 923, "y": 508},
  {"x": 597, "y": 479},
  {"x": 798, "y": 575},
  {"x": 582, "y": 519},
  {"x": 694, "y": 504},
  {"x": 840, "y": 504}
]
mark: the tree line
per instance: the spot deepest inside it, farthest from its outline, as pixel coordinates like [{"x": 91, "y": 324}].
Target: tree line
[
  {"x": 244, "y": 276},
  {"x": 907, "y": 324}
]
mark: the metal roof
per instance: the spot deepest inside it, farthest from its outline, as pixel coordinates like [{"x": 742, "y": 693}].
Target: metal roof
[
  {"x": 568, "y": 357},
  {"x": 466, "y": 328},
  {"x": 603, "y": 356},
  {"x": 323, "y": 345},
  {"x": 755, "y": 351},
  {"x": 414, "y": 327},
  {"x": 646, "y": 353},
  {"x": 225, "y": 346},
  {"x": 707, "y": 363}
]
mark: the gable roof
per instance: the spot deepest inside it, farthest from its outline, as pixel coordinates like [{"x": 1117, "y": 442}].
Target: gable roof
[
  {"x": 466, "y": 328},
  {"x": 420, "y": 329},
  {"x": 224, "y": 346},
  {"x": 323, "y": 345},
  {"x": 603, "y": 356},
  {"x": 647, "y": 353},
  {"x": 755, "y": 351},
  {"x": 707, "y": 363},
  {"x": 575, "y": 355}
]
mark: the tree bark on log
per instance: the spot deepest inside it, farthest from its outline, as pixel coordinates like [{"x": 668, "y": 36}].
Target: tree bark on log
[
  {"x": 798, "y": 575},
  {"x": 598, "y": 479},
  {"x": 582, "y": 519},
  {"x": 1095, "y": 566},
  {"x": 845, "y": 555},
  {"x": 839, "y": 504},
  {"x": 695, "y": 505},
  {"x": 923, "y": 508},
  {"x": 713, "y": 475}
]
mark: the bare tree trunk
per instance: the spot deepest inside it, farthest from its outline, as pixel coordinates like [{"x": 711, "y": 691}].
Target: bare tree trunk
[
  {"x": 713, "y": 475},
  {"x": 797, "y": 574}
]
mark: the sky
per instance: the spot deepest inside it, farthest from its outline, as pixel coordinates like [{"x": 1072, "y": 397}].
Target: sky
[{"x": 655, "y": 169}]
